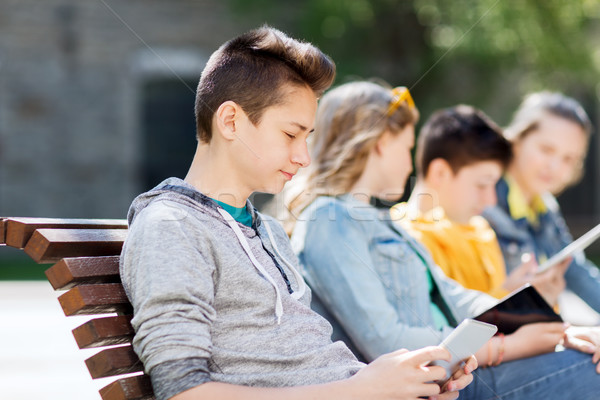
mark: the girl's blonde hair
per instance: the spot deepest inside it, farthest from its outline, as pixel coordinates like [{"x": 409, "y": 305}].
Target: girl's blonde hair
[
  {"x": 350, "y": 119},
  {"x": 536, "y": 106}
]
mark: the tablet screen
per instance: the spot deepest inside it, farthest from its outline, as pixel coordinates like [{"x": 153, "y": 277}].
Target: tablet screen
[{"x": 523, "y": 306}]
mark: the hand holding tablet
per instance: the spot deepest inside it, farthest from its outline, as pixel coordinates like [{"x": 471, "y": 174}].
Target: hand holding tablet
[
  {"x": 463, "y": 342},
  {"x": 578, "y": 245}
]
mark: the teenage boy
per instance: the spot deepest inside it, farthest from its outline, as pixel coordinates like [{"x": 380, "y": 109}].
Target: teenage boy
[
  {"x": 461, "y": 154},
  {"x": 220, "y": 311}
]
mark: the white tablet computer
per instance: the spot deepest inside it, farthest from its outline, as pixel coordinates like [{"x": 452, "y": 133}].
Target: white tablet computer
[{"x": 584, "y": 241}]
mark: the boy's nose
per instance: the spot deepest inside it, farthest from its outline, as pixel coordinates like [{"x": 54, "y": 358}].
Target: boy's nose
[
  {"x": 301, "y": 156},
  {"x": 490, "y": 197}
]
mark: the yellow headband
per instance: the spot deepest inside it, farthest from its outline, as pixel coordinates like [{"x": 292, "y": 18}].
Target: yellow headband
[{"x": 399, "y": 96}]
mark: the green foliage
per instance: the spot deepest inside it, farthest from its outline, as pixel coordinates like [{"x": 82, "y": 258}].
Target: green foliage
[
  {"x": 363, "y": 37},
  {"x": 488, "y": 53},
  {"x": 541, "y": 35}
]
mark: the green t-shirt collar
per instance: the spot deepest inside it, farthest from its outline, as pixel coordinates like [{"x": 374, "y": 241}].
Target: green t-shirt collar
[{"x": 240, "y": 214}]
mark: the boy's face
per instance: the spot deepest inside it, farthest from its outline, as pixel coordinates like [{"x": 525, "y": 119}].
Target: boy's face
[
  {"x": 275, "y": 149},
  {"x": 468, "y": 192}
]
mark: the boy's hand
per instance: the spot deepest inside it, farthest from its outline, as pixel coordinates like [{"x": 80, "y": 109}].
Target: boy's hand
[
  {"x": 551, "y": 282},
  {"x": 461, "y": 378},
  {"x": 406, "y": 375},
  {"x": 522, "y": 274}
]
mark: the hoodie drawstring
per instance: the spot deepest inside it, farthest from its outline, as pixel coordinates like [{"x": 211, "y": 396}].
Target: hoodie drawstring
[
  {"x": 244, "y": 242},
  {"x": 301, "y": 284}
]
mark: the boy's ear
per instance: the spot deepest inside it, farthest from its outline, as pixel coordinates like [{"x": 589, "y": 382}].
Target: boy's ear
[
  {"x": 226, "y": 116},
  {"x": 439, "y": 171}
]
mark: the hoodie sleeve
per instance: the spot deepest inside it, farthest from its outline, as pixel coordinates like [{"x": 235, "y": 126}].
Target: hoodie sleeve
[{"x": 167, "y": 272}]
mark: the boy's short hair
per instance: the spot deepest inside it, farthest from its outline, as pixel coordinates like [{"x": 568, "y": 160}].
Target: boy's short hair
[
  {"x": 461, "y": 135},
  {"x": 252, "y": 69}
]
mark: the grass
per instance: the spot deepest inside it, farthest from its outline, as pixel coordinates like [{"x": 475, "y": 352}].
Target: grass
[{"x": 16, "y": 265}]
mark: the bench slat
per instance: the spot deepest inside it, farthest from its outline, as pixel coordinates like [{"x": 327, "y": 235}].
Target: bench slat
[
  {"x": 95, "y": 299},
  {"x": 136, "y": 387},
  {"x": 86, "y": 256},
  {"x": 113, "y": 361},
  {"x": 105, "y": 331},
  {"x": 20, "y": 230},
  {"x": 2, "y": 231},
  {"x": 51, "y": 245},
  {"x": 70, "y": 272}
]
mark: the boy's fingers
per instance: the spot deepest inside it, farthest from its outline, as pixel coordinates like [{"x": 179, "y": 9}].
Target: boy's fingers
[
  {"x": 460, "y": 383},
  {"x": 398, "y": 352},
  {"x": 471, "y": 365},
  {"x": 446, "y": 396},
  {"x": 434, "y": 373},
  {"x": 429, "y": 389},
  {"x": 394, "y": 354},
  {"x": 428, "y": 354}
]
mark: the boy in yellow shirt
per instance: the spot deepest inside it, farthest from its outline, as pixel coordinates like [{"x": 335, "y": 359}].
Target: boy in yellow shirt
[{"x": 461, "y": 154}]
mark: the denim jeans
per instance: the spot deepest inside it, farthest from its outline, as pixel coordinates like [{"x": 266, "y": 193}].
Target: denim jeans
[{"x": 561, "y": 375}]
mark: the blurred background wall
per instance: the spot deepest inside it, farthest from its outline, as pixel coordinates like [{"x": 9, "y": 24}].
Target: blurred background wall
[{"x": 96, "y": 96}]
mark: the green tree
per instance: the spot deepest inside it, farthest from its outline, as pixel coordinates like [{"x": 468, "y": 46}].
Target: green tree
[{"x": 488, "y": 53}]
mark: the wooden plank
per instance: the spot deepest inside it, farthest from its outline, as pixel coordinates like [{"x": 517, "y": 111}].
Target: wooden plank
[
  {"x": 95, "y": 299},
  {"x": 50, "y": 245},
  {"x": 70, "y": 272},
  {"x": 136, "y": 387},
  {"x": 105, "y": 331},
  {"x": 19, "y": 230},
  {"x": 114, "y": 361},
  {"x": 2, "y": 231}
]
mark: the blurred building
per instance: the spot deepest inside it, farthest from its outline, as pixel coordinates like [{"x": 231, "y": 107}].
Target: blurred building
[
  {"x": 96, "y": 96},
  {"x": 96, "y": 99}
]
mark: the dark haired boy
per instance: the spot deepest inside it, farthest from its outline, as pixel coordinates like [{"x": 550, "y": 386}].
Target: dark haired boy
[
  {"x": 461, "y": 154},
  {"x": 220, "y": 310}
]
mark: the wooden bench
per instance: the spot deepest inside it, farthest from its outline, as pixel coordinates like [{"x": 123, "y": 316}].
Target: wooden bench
[{"x": 85, "y": 254}]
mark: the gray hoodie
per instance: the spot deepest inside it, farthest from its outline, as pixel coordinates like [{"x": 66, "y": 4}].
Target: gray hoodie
[{"x": 203, "y": 311}]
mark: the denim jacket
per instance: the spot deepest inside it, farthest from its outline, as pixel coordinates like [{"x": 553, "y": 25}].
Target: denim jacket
[
  {"x": 548, "y": 238},
  {"x": 371, "y": 277}
]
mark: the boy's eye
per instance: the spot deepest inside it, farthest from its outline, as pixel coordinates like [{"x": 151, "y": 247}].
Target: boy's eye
[
  {"x": 546, "y": 149},
  {"x": 290, "y": 135}
]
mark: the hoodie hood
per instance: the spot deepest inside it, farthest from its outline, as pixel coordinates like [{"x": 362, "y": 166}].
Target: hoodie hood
[
  {"x": 175, "y": 189},
  {"x": 178, "y": 190}
]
